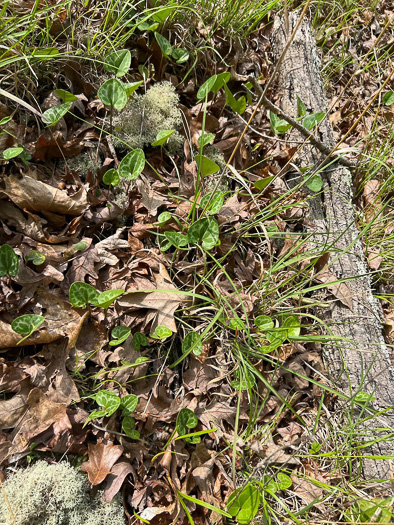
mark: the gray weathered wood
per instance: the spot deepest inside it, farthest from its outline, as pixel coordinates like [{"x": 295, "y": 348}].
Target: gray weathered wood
[{"x": 365, "y": 364}]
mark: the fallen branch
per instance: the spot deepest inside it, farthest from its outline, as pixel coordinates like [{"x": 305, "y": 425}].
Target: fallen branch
[
  {"x": 299, "y": 127},
  {"x": 363, "y": 366}
]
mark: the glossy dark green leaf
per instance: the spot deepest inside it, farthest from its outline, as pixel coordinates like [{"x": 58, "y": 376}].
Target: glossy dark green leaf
[
  {"x": 128, "y": 404},
  {"x": 105, "y": 299},
  {"x": 81, "y": 294},
  {"x": 205, "y": 139},
  {"x": 206, "y": 166},
  {"x": 109, "y": 401},
  {"x": 66, "y": 96},
  {"x": 118, "y": 62},
  {"x": 192, "y": 343},
  {"x": 162, "y": 137},
  {"x": 164, "y": 44},
  {"x": 113, "y": 94},
  {"x": 52, "y": 115},
  {"x": 206, "y": 88},
  {"x": 388, "y": 98},
  {"x": 11, "y": 153},
  {"x": 312, "y": 120},
  {"x": 9, "y": 262},
  {"x": 139, "y": 340},
  {"x": 263, "y": 183},
  {"x": 131, "y": 87},
  {"x": 237, "y": 105},
  {"x": 132, "y": 165},
  {"x": 111, "y": 177},
  {"x": 119, "y": 334},
  {"x": 177, "y": 239},
  {"x": 215, "y": 203}
]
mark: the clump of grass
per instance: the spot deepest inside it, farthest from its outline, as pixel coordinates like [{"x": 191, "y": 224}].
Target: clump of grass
[
  {"x": 145, "y": 115},
  {"x": 56, "y": 494}
]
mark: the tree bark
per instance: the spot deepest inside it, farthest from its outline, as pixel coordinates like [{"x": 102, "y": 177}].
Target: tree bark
[{"x": 363, "y": 365}]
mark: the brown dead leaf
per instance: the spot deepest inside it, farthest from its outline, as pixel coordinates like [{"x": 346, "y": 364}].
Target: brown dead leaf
[
  {"x": 341, "y": 291},
  {"x": 41, "y": 413},
  {"x": 305, "y": 489},
  {"x": 34, "y": 195},
  {"x": 102, "y": 457},
  {"x": 12, "y": 409},
  {"x": 53, "y": 146},
  {"x": 163, "y": 303},
  {"x": 60, "y": 320},
  {"x": 115, "y": 479}
]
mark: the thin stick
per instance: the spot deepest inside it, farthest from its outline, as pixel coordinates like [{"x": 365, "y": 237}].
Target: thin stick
[{"x": 306, "y": 133}]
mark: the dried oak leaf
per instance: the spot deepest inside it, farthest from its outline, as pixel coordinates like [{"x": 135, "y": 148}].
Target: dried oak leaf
[
  {"x": 102, "y": 457},
  {"x": 163, "y": 303},
  {"x": 115, "y": 479},
  {"x": 31, "y": 194},
  {"x": 340, "y": 290}
]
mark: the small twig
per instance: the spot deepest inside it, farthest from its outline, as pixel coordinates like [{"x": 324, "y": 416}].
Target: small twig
[{"x": 299, "y": 127}]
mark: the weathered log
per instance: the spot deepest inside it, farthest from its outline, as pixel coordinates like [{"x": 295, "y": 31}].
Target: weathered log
[{"x": 365, "y": 364}]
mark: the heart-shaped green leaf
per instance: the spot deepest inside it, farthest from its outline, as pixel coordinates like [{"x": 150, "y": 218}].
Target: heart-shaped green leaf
[
  {"x": 314, "y": 183},
  {"x": 284, "y": 481},
  {"x": 9, "y": 262},
  {"x": 206, "y": 87},
  {"x": 238, "y": 106},
  {"x": 206, "y": 166},
  {"x": 108, "y": 400},
  {"x": 164, "y": 217},
  {"x": 221, "y": 80},
  {"x": 185, "y": 419},
  {"x": 205, "y": 139},
  {"x": 192, "y": 343},
  {"x": 80, "y": 294},
  {"x": 293, "y": 326},
  {"x": 36, "y": 257},
  {"x": 161, "y": 332},
  {"x": 113, "y": 94},
  {"x": 180, "y": 55},
  {"x": 215, "y": 203},
  {"x": 52, "y": 115},
  {"x": 11, "y": 153},
  {"x": 177, "y": 239},
  {"x": 162, "y": 137},
  {"x": 263, "y": 183},
  {"x": 111, "y": 177},
  {"x": 131, "y": 87},
  {"x": 119, "y": 335},
  {"x": 164, "y": 44},
  {"x": 278, "y": 126},
  {"x": 66, "y": 96},
  {"x": 128, "y": 404},
  {"x": 388, "y": 98},
  {"x": 139, "y": 340},
  {"x": 264, "y": 323},
  {"x": 118, "y": 62},
  {"x": 132, "y": 165},
  {"x": 105, "y": 299},
  {"x": 207, "y": 230},
  {"x": 128, "y": 425},
  {"x": 244, "y": 504},
  {"x": 26, "y": 325},
  {"x": 312, "y": 120}
]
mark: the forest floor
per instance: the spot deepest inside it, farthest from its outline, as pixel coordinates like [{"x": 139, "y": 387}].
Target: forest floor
[{"x": 158, "y": 324}]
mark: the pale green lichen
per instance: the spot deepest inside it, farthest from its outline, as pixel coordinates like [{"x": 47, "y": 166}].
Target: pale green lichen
[
  {"x": 145, "y": 115},
  {"x": 55, "y": 494}
]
